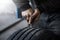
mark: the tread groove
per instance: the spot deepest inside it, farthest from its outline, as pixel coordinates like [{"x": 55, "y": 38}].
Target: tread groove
[
  {"x": 30, "y": 35},
  {"x": 25, "y": 34},
  {"x": 34, "y": 34},
  {"x": 15, "y": 33},
  {"x": 20, "y": 34}
]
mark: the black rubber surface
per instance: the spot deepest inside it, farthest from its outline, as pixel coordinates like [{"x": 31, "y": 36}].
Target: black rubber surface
[
  {"x": 15, "y": 33},
  {"x": 29, "y": 33},
  {"x": 24, "y": 34}
]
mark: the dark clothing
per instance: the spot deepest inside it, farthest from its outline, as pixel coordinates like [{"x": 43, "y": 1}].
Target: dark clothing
[
  {"x": 48, "y": 5},
  {"x": 50, "y": 22},
  {"x": 43, "y": 5}
]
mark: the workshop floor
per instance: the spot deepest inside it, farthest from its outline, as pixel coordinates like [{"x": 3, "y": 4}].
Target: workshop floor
[
  {"x": 5, "y": 20},
  {"x": 10, "y": 31}
]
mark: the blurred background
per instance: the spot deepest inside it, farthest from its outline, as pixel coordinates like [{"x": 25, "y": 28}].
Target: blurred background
[
  {"x": 9, "y": 21},
  {"x": 7, "y": 7}
]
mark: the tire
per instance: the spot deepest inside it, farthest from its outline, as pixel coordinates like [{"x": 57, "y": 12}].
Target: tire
[
  {"x": 29, "y": 33},
  {"x": 26, "y": 33}
]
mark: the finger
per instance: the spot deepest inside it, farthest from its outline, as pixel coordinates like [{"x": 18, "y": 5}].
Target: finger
[
  {"x": 30, "y": 20},
  {"x": 28, "y": 16}
]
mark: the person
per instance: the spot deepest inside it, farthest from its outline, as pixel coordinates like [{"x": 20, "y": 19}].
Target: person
[{"x": 49, "y": 11}]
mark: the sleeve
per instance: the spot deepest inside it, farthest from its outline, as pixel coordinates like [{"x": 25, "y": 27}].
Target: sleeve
[
  {"x": 22, "y": 4},
  {"x": 33, "y": 4},
  {"x": 36, "y": 4}
]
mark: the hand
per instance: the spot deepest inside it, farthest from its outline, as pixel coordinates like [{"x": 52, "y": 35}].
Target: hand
[
  {"x": 27, "y": 13},
  {"x": 34, "y": 16},
  {"x": 30, "y": 15}
]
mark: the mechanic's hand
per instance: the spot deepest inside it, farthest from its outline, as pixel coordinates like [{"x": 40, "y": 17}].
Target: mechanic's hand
[
  {"x": 34, "y": 16},
  {"x": 30, "y": 15},
  {"x": 27, "y": 13}
]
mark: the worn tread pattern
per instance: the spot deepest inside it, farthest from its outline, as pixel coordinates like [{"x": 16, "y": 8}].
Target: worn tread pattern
[
  {"x": 20, "y": 34},
  {"x": 29, "y": 33},
  {"x": 15, "y": 33},
  {"x": 26, "y": 33}
]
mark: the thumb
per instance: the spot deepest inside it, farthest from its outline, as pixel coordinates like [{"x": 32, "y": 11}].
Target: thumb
[{"x": 31, "y": 19}]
